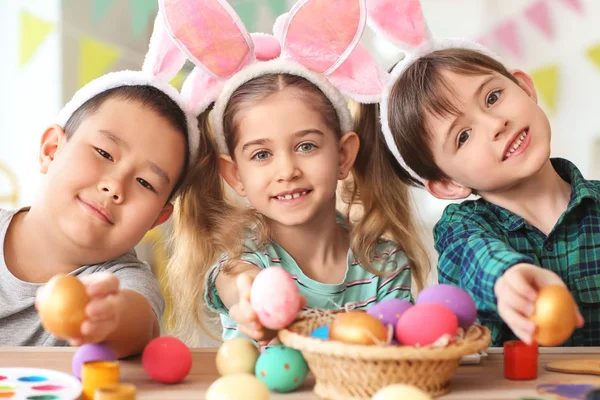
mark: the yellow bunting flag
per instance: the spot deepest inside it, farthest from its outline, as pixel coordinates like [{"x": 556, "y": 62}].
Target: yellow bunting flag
[
  {"x": 546, "y": 84},
  {"x": 95, "y": 59},
  {"x": 594, "y": 54},
  {"x": 33, "y": 33},
  {"x": 178, "y": 79}
]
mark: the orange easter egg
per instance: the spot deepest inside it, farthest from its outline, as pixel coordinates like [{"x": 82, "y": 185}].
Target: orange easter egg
[
  {"x": 554, "y": 315},
  {"x": 61, "y": 306},
  {"x": 357, "y": 327}
]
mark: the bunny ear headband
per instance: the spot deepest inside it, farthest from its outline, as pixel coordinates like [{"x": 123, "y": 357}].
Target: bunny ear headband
[
  {"x": 317, "y": 40},
  {"x": 402, "y": 22},
  {"x": 161, "y": 64}
]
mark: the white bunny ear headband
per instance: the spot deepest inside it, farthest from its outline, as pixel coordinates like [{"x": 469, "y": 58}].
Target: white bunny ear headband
[
  {"x": 160, "y": 66},
  {"x": 402, "y": 22},
  {"x": 317, "y": 40}
]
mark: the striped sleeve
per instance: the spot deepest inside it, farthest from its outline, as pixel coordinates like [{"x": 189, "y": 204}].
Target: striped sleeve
[{"x": 397, "y": 284}]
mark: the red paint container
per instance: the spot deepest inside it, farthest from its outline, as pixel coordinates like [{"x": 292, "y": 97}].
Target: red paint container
[{"x": 520, "y": 360}]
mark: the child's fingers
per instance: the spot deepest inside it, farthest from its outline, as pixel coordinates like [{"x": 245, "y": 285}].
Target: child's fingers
[
  {"x": 97, "y": 331},
  {"x": 102, "y": 308},
  {"x": 302, "y": 302},
  {"x": 519, "y": 283},
  {"x": 244, "y": 285},
  {"x": 516, "y": 301},
  {"x": 579, "y": 321},
  {"x": 519, "y": 324},
  {"x": 101, "y": 284}
]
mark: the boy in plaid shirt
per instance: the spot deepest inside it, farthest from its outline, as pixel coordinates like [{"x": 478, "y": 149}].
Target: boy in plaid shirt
[{"x": 463, "y": 124}]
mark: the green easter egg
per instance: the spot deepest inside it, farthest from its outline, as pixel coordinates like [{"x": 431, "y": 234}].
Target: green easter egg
[{"x": 281, "y": 368}]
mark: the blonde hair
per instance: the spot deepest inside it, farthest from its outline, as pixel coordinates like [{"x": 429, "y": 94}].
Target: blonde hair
[{"x": 208, "y": 224}]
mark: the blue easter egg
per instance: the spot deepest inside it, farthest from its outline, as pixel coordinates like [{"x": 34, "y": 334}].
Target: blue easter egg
[{"x": 281, "y": 368}]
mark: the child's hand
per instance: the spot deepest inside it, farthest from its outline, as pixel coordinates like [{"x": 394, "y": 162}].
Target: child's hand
[
  {"x": 244, "y": 315},
  {"x": 102, "y": 316},
  {"x": 516, "y": 291}
]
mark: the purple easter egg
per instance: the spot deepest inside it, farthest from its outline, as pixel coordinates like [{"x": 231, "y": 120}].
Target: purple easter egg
[
  {"x": 456, "y": 299},
  {"x": 88, "y": 353},
  {"x": 389, "y": 311}
]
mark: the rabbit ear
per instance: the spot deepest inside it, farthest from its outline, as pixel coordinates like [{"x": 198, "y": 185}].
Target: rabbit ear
[
  {"x": 401, "y": 21},
  {"x": 210, "y": 33},
  {"x": 359, "y": 77},
  {"x": 200, "y": 90},
  {"x": 164, "y": 59},
  {"x": 321, "y": 34}
]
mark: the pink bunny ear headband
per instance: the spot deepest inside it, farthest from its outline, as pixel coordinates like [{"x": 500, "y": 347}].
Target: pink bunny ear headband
[
  {"x": 317, "y": 40},
  {"x": 402, "y": 22},
  {"x": 160, "y": 66}
]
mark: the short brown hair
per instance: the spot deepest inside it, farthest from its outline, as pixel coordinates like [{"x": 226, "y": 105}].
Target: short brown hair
[{"x": 417, "y": 92}]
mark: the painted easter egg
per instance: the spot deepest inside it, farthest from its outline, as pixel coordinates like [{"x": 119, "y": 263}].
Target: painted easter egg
[
  {"x": 281, "y": 368},
  {"x": 389, "y": 311},
  {"x": 423, "y": 324},
  {"x": 61, "y": 306},
  {"x": 237, "y": 386},
  {"x": 236, "y": 356},
  {"x": 91, "y": 352},
  {"x": 554, "y": 315},
  {"x": 167, "y": 359},
  {"x": 456, "y": 299},
  {"x": 275, "y": 298},
  {"x": 357, "y": 327},
  {"x": 401, "y": 391},
  {"x": 321, "y": 332}
]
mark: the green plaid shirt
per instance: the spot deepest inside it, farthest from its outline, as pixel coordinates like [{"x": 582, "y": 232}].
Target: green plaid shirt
[{"x": 477, "y": 241}]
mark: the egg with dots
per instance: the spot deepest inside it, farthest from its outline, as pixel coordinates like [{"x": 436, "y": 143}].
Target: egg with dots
[
  {"x": 237, "y": 386},
  {"x": 554, "y": 316},
  {"x": 275, "y": 298},
  {"x": 358, "y": 327},
  {"x": 424, "y": 324},
  {"x": 236, "y": 356},
  {"x": 459, "y": 301},
  {"x": 61, "y": 306},
  {"x": 167, "y": 359},
  {"x": 281, "y": 368},
  {"x": 389, "y": 311}
]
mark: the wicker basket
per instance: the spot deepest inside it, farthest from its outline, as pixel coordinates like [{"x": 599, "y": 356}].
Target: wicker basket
[{"x": 357, "y": 372}]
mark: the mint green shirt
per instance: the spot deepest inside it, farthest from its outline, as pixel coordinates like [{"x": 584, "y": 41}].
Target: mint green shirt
[{"x": 359, "y": 289}]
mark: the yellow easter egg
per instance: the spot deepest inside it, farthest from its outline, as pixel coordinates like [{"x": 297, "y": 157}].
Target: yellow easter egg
[
  {"x": 61, "y": 306},
  {"x": 401, "y": 391},
  {"x": 238, "y": 386},
  {"x": 236, "y": 356},
  {"x": 357, "y": 327}
]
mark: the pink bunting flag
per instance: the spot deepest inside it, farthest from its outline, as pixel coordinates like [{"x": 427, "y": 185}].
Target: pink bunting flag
[
  {"x": 539, "y": 15},
  {"x": 507, "y": 34},
  {"x": 484, "y": 40},
  {"x": 575, "y": 5}
]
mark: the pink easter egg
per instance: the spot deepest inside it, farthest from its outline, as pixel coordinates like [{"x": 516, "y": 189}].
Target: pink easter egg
[
  {"x": 456, "y": 299},
  {"x": 275, "y": 298},
  {"x": 423, "y": 324}
]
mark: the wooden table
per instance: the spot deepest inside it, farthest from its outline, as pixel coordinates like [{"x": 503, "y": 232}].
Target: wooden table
[{"x": 482, "y": 382}]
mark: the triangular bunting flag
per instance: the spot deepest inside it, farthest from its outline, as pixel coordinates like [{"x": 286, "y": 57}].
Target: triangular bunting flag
[
  {"x": 546, "y": 84},
  {"x": 594, "y": 54},
  {"x": 277, "y": 7},
  {"x": 575, "y": 5},
  {"x": 247, "y": 10},
  {"x": 507, "y": 35},
  {"x": 178, "y": 79},
  {"x": 33, "y": 33},
  {"x": 142, "y": 12},
  {"x": 100, "y": 9},
  {"x": 539, "y": 15},
  {"x": 95, "y": 59}
]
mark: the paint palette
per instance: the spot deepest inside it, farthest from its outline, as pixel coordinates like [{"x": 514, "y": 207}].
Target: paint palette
[{"x": 37, "y": 384}]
